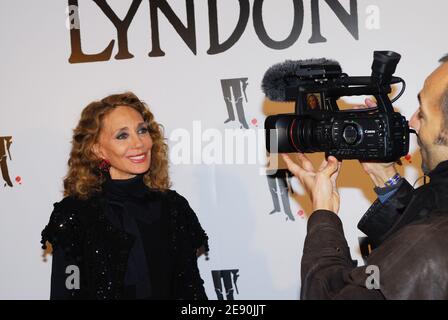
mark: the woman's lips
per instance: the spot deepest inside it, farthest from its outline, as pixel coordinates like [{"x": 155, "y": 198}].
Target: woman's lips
[{"x": 138, "y": 158}]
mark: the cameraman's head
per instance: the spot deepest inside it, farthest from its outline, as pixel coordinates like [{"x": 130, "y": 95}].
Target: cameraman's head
[{"x": 431, "y": 119}]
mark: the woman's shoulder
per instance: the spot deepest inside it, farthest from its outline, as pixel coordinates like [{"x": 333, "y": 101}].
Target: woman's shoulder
[
  {"x": 173, "y": 197},
  {"x": 72, "y": 203},
  {"x": 66, "y": 222},
  {"x": 177, "y": 202},
  {"x": 186, "y": 219}
]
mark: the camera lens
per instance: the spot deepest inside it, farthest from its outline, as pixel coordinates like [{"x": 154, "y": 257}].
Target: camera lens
[{"x": 307, "y": 135}]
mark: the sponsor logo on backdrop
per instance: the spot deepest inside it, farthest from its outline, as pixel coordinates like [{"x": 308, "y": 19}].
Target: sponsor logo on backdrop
[
  {"x": 279, "y": 182},
  {"x": 225, "y": 283},
  {"x": 234, "y": 92},
  {"x": 5, "y": 154},
  {"x": 185, "y": 25}
]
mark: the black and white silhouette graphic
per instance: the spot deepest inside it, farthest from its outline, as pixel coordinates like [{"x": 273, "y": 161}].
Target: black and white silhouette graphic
[
  {"x": 225, "y": 283},
  {"x": 234, "y": 92},
  {"x": 279, "y": 182},
  {"x": 5, "y": 144}
]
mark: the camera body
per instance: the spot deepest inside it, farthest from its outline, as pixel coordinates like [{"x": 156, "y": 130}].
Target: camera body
[
  {"x": 346, "y": 135},
  {"x": 373, "y": 134}
]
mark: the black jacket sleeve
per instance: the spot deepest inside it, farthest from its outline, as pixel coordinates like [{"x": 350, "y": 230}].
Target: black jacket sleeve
[
  {"x": 327, "y": 264},
  {"x": 64, "y": 232},
  {"x": 410, "y": 257},
  {"x": 379, "y": 219},
  {"x": 191, "y": 237},
  {"x": 412, "y": 262},
  {"x": 59, "y": 277}
]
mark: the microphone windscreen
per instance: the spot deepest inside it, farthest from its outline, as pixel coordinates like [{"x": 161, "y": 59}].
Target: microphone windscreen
[{"x": 291, "y": 72}]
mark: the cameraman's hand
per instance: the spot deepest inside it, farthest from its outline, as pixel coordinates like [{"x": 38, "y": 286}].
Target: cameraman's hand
[
  {"x": 320, "y": 184},
  {"x": 378, "y": 172}
]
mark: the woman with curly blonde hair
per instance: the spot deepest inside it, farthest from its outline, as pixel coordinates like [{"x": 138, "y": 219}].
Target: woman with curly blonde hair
[{"x": 120, "y": 233}]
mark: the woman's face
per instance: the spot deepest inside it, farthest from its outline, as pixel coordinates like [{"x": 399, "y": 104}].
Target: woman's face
[
  {"x": 125, "y": 142},
  {"x": 312, "y": 102}
]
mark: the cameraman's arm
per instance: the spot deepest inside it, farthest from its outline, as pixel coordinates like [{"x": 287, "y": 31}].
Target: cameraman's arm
[
  {"x": 327, "y": 264},
  {"x": 326, "y": 260},
  {"x": 385, "y": 211}
]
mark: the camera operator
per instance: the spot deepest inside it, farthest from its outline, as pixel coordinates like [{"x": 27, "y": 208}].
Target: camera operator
[{"x": 408, "y": 228}]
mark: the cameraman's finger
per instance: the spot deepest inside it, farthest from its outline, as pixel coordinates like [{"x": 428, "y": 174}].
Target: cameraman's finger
[
  {"x": 336, "y": 174},
  {"x": 360, "y": 107},
  {"x": 323, "y": 165},
  {"x": 370, "y": 103},
  {"x": 306, "y": 163},
  {"x": 331, "y": 167},
  {"x": 296, "y": 169}
]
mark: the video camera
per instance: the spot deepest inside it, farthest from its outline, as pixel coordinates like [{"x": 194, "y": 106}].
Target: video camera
[{"x": 318, "y": 125}]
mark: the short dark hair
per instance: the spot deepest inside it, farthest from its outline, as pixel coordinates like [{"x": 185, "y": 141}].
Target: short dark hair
[{"x": 444, "y": 59}]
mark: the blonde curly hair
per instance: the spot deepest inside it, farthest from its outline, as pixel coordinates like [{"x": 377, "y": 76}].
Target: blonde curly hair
[{"x": 83, "y": 178}]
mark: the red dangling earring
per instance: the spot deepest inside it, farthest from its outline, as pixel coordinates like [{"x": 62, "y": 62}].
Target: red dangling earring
[{"x": 104, "y": 166}]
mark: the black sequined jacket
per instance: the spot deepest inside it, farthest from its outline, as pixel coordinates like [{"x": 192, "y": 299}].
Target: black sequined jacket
[{"x": 81, "y": 235}]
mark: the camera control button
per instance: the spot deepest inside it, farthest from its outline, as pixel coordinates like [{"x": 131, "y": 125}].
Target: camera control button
[{"x": 350, "y": 134}]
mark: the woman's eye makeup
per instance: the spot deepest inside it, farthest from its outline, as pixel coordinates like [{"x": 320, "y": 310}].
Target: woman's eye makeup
[
  {"x": 125, "y": 135},
  {"x": 143, "y": 130},
  {"x": 121, "y": 136}
]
